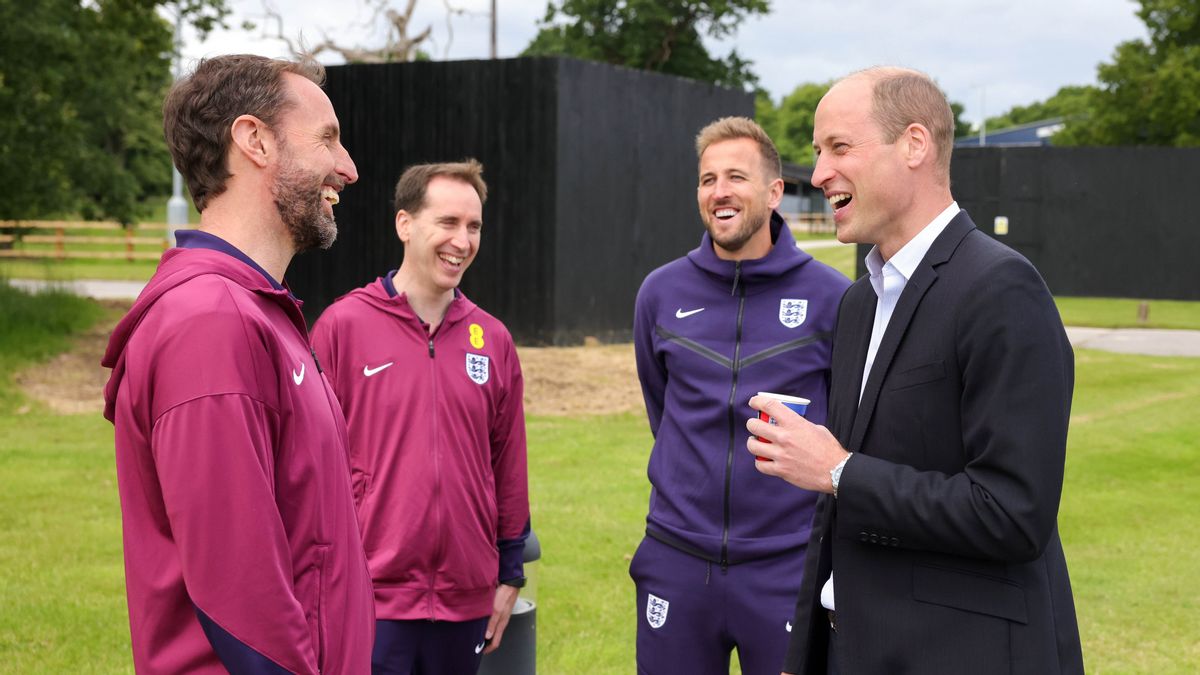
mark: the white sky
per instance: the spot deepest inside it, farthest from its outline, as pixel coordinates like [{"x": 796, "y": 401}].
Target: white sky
[{"x": 987, "y": 54}]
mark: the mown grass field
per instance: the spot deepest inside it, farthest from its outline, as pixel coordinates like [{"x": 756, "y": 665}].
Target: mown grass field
[{"x": 1129, "y": 506}]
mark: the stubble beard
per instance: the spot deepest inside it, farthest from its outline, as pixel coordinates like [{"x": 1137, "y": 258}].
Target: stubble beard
[
  {"x": 297, "y": 196},
  {"x": 736, "y": 240}
]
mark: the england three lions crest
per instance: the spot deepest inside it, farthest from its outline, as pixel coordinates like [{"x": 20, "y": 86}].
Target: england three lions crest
[
  {"x": 656, "y": 610},
  {"x": 477, "y": 368},
  {"x": 792, "y": 312}
]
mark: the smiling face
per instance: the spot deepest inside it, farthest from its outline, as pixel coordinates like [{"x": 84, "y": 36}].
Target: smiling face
[
  {"x": 442, "y": 239},
  {"x": 863, "y": 177},
  {"x": 313, "y": 166},
  {"x": 736, "y": 198}
]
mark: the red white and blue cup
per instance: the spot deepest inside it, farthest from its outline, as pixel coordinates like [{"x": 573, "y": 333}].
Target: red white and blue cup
[{"x": 794, "y": 403}]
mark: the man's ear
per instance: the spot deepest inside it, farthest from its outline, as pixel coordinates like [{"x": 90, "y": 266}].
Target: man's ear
[
  {"x": 918, "y": 145},
  {"x": 252, "y": 139},
  {"x": 775, "y": 193},
  {"x": 404, "y": 225}
]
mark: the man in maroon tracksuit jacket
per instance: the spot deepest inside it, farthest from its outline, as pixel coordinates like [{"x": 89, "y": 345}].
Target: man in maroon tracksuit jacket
[
  {"x": 242, "y": 553},
  {"x": 432, "y": 392}
]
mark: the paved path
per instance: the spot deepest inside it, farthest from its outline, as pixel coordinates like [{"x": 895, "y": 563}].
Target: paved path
[
  {"x": 1125, "y": 340},
  {"x": 1152, "y": 341},
  {"x": 92, "y": 288}
]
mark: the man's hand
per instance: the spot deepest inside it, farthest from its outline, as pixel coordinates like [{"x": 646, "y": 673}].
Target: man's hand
[
  {"x": 800, "y": 452},
  {"x": 502, "y": 607}
]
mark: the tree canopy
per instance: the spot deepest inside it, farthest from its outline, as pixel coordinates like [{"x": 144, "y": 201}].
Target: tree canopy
[
  {"x": 1150, "y": 93},
  {"x": 658, "y": 35},
  {"x": 81, "y": 88},
  {"x": 790, "y": 124}
]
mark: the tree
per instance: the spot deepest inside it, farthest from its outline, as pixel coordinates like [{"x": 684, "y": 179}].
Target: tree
[
  {"x": 398, "y": 47},
  {"x": 1150, "y": 93},
  {"x": 1070, "y": 103},
  {"x": 81, "y": 86},
  {"x": 659, "y": 35},
  {"x": 791, "y": 124}
]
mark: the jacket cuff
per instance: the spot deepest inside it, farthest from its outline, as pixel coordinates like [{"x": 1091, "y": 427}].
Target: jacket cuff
[{"x": 512, "y": 556}]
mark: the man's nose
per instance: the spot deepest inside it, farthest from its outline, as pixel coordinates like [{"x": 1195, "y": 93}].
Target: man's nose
[
  {"x": 345, "y": 166},
  {"x": 821, "y": 172}
]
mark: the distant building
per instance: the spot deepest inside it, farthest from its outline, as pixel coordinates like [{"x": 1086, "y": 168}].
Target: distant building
[
  {"x": 803, "y": 205},
  {"x": 1026, "y": 135}
]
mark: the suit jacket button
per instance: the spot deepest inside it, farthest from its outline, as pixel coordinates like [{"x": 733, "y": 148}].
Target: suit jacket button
[
  {"x": 874, "y": 538},
  {"x": 862, "y": 536},
  {"x": 895, "y": 541}
]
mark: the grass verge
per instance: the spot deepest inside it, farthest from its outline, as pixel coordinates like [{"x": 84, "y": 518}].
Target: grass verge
[
  {"x": 1123, "y": 313},
  {"x": 1129, "y": 500}
]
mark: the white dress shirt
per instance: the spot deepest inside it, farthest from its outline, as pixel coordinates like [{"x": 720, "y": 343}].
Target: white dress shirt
[{"x": 888, "y": 278}]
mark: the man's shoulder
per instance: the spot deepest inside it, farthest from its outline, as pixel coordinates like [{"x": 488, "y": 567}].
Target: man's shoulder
[
  {"x": 479, "y": 316},
  {"x": 668, "y": 275}
]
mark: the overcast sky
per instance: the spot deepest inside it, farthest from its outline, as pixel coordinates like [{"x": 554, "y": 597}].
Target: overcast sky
[{"x": 988, "y": 55}]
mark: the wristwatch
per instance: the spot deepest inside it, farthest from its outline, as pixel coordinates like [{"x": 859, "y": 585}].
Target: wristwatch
[{"x": 835, "y": 474}]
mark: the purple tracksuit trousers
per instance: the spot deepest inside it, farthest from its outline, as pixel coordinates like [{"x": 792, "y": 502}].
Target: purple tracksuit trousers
[
  {"x": 421, "y": 647},
  {"x": 692, "y": 613}
]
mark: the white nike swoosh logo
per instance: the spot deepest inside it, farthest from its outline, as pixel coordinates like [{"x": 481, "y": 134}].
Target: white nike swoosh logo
[
  {"x": 371, "y": 371},
  {"x": 298, "y": 377},
  {"x": 789, "y": 626},
  {"x": 479, "y": 648},
  {"x": 680, "y": 314}
]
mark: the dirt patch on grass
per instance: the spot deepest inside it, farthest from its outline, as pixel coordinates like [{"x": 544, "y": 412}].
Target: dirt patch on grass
[{"x": 566, "y": 381}]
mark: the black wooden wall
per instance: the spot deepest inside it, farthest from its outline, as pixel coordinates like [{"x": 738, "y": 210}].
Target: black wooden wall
[
  {"x": 591, "y": 174},
  {"x": 1096, "y": 222}
]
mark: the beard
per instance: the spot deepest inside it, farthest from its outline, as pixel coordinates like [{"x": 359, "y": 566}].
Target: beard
[
  {"x": 752, "y": 222},
  {"x": 297, "y": 195}
]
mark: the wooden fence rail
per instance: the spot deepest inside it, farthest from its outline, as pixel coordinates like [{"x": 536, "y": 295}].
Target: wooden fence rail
[{"x": 122, "y": 243}]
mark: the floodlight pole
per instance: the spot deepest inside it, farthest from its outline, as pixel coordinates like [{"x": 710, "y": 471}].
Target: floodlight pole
[
  {"x": 982, "y": 115},
  {"x": 177, "y": 206},
  {"x": 493, "y": 29}
]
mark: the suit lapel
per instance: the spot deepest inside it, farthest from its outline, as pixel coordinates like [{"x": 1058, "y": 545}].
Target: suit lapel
[
  {"x": 850, "y": 353},
  {"x": 922, "y": 280}
]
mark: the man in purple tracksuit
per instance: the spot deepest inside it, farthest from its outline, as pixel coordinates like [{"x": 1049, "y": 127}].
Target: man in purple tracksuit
[
  {"x": 242, "y": 553},
  {"x": 746, "y": 311},
  {"x": 432, "y": 392}
]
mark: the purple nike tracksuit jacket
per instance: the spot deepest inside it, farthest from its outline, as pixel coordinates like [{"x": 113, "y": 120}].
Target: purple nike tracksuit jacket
[
  {"x": 242, "y": 551},
  {"x": 708, "y": 335}
]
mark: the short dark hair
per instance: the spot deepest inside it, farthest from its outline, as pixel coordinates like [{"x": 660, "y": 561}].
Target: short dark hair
[
  {"x": 733, "y": 128},
  {"x": 410, "y": 189},
  {"x": 199, "y": 111}
]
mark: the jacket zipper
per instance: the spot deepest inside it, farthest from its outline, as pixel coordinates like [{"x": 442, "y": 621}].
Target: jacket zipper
[
  {"x": 739, "y": 289},
  {"x": 437, "y": 482}
]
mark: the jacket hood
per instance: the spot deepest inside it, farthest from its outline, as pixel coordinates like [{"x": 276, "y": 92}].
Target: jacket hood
[
  {"x": 376, "y": 294},
  {"x": 178, "y": 266},
  {"x": 783, "y": 257}
]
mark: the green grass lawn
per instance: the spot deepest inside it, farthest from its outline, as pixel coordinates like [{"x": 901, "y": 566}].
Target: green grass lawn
[
  {"x": 1123, "y": 313},
  {"x": 1129, "y": 505},
  {"x": 841, "y": 258}
]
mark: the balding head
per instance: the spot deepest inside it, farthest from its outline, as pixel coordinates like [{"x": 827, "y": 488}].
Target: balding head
[{"x": 900, "y": 97}]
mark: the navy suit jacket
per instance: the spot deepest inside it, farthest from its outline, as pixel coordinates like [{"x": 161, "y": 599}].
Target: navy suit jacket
[{"x": 943, "y": 536}]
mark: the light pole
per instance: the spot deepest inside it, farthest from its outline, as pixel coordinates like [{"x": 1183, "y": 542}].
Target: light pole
[
  {"x": 982, "y": 115},
  {"x": 177, "y": 206},
  {"x": 493, "y": 29}
]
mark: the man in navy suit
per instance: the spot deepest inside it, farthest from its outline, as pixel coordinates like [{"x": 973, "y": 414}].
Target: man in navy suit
[{"x": 935, "y": 546}]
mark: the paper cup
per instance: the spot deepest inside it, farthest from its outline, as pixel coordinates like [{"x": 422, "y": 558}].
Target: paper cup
[{"x": 794, "y": 403}]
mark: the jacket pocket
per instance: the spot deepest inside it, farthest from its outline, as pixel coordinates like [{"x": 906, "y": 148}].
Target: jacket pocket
[
  {"x": 911, "y": 377},
  {"x": 970, "y": 592},
  {"x": 312, "y": 592}
]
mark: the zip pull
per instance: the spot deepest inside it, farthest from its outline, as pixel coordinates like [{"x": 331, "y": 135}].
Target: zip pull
[
  {"x": 312, "y": 350},
  {"x": 737, "y": 276}
]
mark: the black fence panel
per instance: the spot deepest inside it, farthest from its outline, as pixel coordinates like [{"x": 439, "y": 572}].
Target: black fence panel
[
  {"x": 1096, "y": 222},
  {"x": 591, "y": 174}
]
